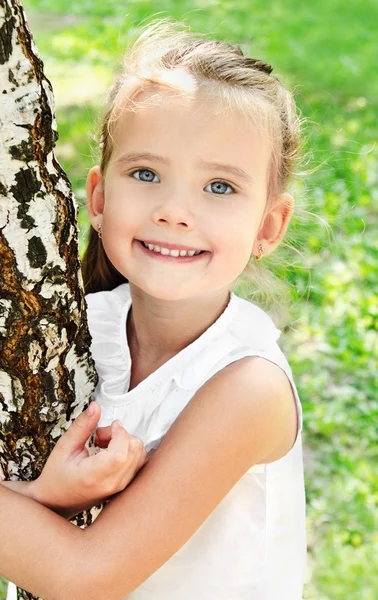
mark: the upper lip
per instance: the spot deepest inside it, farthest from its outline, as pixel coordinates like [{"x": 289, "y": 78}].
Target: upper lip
[{"x": 170, "y": 246}]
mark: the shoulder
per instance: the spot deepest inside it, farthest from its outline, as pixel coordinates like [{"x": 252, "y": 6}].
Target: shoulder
[
  {"x": 249, "y": 403},
  {"x": 258, "y": 376},
  {"x": 258, "y": 399}
]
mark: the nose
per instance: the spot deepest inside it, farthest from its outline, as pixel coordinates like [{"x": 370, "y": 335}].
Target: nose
[{"x": 175, "y": 210}]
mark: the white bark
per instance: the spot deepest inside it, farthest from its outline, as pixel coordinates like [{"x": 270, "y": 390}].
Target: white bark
[{"x": 46, "y": 371}]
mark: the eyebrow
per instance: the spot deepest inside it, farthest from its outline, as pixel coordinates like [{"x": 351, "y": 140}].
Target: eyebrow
[
  {"x": 135, "y": 157},
  {"x": 235, "y": 171}
]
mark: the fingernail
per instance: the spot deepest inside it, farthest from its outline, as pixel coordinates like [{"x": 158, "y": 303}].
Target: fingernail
[{"x": 91, "y": 409}]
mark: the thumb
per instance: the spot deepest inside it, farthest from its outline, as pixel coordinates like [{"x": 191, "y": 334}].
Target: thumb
[{"x": 80, "y": 430}]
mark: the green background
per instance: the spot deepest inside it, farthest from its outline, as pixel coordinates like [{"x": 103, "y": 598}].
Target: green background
[{"x": 326, "y": 52}]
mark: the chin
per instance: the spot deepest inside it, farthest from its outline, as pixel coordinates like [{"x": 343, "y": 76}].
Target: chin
[{"x": 166, "y": 293}]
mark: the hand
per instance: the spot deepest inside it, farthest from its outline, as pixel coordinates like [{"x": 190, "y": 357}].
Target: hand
[{"x": 72, "y": 481}]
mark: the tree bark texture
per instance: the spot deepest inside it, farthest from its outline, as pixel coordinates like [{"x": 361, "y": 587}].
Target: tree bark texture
[{"x": 46, "y": 372}]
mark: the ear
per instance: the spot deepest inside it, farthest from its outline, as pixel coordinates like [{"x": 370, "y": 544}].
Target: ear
[
  {"x": 275, "y": 224},
  {"x": 95, "y": 196}
]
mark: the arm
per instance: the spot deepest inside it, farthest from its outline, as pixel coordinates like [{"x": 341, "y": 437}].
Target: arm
[
  {"x": 243, "y": 415},
  {"x": 32, "y": 539},
  {"x": 72, "y": 480}
]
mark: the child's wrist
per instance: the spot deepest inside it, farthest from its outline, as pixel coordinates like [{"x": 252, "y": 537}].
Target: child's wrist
[
  {"x": 21, "y": 487},
  {"x": 35, "y": 493},
  {"x": 25, "y": 488},
  {"x": 30, "y": 489}
]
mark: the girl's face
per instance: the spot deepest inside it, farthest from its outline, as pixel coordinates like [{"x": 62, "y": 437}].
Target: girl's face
[{"x": 185, "y": 175}]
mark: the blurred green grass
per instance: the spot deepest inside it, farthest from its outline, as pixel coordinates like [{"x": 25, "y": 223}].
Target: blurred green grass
[{"x": 327, "y": 54}]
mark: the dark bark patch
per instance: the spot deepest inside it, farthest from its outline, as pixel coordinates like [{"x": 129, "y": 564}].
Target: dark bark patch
[
  {"x": 71, "y": 329},
  {"x": 49, "y": 388},
  {"x": 23, "y": 152},
  {"x": 3, "y": 190},
  {"x": 50, "y": 136},
  {"x": 26, "y": 186},
  {"x": 36, "y": 253},
  {"x": 12, "y": 78},
  {"x": 65, "y": 233},
  {"x": 6, "y": 31},
  {"x": 26, "y": 221},
  {"x": 56, "y": 276}
]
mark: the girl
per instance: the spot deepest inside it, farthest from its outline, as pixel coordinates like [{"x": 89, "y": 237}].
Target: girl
[{"x": 198, "y": 145}]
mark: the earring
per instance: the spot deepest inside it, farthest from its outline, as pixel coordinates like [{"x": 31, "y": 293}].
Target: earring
[
  {"x": 261, "y": 250},
  {"x": 99, "y": 230}
]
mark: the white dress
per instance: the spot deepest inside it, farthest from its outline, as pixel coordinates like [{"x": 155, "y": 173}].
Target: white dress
[{"x": 253, "y": 546}]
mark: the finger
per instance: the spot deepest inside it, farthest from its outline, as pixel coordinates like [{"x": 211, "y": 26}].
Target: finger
[
  {"x": 135, "y": 462},
  {"x": 119, "y": 442},
  {"x": 80, "y": 430},
  {"x": 136, "y": 445},
  {"x": 100, "y": 443},
  {"x": 137, "y": 449},
  {"x": 104, "y": 434}
]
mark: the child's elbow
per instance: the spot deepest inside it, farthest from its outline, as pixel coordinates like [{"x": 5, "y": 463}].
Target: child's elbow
[
  {"x": 81, "y": 590},
  {"x": 93, "y": 576},
  {"x": 89, "y": 583},
  {"x": 86, "y": 583}
]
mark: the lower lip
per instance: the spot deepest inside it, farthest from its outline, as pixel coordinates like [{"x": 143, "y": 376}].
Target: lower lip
[{"x": 168, "y": 258}]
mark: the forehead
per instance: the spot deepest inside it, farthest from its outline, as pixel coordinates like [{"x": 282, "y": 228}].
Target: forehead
[{"x": 165, "y": 120}]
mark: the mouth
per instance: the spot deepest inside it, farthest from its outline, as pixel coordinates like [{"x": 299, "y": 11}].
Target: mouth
[
  {"x": 169, "y": 249},
  {"x": 172, "y": 255}
]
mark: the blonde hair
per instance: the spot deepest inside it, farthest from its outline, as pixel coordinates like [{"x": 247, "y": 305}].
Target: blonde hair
[{"x": 218, "y": 71}]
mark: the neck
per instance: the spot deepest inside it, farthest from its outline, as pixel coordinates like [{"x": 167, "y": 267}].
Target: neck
[{"x": 159, "y": 329}]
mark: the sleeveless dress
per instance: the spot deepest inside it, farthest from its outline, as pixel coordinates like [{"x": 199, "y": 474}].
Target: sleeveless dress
[{"x": 253, "y": 545}]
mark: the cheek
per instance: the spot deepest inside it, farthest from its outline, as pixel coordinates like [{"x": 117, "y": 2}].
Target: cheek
[
  {"x": 119, "y": 213},
  {"x": 236, "y": 233},
  {"x": 117, "y": 231},
  {"x": 233, "y": 249}
]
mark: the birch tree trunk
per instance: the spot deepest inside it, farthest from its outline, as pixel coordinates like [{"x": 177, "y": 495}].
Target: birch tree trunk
[{"x": 46, "y": 371}]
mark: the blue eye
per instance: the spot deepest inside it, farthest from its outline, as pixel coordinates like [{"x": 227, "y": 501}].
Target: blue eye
[
  {"x": 220, "y": 188},
  {"x": 145, "y": 175}
]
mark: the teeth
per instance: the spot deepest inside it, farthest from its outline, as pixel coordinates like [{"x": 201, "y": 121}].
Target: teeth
[{"x": 166, "y": 252}]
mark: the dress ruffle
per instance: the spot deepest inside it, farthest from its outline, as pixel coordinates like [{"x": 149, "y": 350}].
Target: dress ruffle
[{"x": 149, "y": 409}]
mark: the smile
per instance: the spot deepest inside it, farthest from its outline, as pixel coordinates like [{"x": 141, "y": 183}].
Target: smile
[
  {"x": 171, "y": 252},
  {"x": 172, "y": 255}
]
